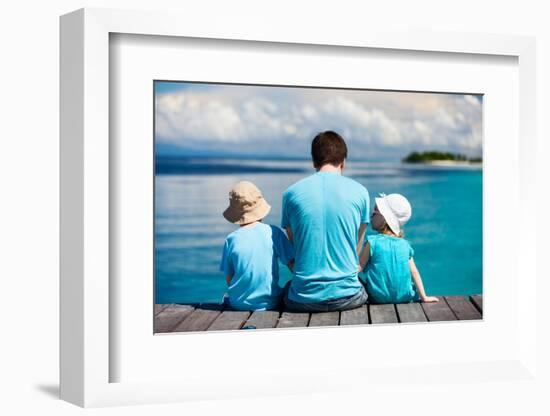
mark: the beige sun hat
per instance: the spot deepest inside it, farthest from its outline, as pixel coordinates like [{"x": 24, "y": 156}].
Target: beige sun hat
[
  {"x": 395, "y": 209},
  {"x": 246, "y": 204}
]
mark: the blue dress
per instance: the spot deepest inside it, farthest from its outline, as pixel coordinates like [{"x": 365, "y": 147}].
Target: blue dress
[{"x": 387, "y": 275}]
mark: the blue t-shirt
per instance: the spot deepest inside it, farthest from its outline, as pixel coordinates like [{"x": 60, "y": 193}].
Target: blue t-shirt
[
  {"x": 250, "y": 255},
  {"x": 324, "y": 212},
  {"x": 388, "y": 274}
]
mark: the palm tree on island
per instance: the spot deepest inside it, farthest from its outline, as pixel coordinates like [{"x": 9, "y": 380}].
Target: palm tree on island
[{"x": 435, "y": 157}]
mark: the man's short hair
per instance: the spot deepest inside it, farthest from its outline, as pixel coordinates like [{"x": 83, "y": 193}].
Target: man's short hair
[{"x": 328, "y": 147}]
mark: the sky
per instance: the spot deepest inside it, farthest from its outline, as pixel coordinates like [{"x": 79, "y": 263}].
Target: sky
[{"x": 249, "y": 120}]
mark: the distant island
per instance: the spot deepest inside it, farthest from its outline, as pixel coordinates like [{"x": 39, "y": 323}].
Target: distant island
[{"x": 435, "y": 157}]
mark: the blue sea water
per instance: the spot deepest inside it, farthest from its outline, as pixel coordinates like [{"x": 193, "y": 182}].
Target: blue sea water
[{"x": 191, "y": 194}]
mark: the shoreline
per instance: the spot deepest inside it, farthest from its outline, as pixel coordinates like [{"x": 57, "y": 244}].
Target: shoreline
[{"x": 447, "y": 163}]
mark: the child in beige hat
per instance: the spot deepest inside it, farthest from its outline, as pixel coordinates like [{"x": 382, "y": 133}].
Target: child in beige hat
[{"x": 251, "y": 254}]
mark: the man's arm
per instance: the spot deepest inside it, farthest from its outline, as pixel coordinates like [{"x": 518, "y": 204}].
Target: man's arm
[
  {"x": 289, "y": 234},
  {"x": 365, "y": 257},
  {"x": 228, "y": 279},
  {"x": 285, "y": 248},
  {"x": 290, "y": 265},
  {"x": 362, "y": 230}
]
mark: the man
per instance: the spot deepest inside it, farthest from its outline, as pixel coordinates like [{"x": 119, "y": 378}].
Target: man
[{"x": 325, "y": 215}]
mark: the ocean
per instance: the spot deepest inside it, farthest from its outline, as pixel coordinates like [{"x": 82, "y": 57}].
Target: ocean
[{"x": 191, "y": 193}]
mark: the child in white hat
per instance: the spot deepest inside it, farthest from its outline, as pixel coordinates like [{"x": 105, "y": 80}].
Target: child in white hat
[
  {"x": 251, "y": 253},
  {"x": 387, "y": 257}
]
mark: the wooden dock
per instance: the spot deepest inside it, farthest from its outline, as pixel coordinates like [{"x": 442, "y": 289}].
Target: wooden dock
[{"x": 212, "y": 317}]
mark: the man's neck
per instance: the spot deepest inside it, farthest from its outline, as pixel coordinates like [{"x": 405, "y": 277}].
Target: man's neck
[{"x": 330, "y": 168}]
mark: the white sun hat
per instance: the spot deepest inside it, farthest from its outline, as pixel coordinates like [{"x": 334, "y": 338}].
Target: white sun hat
[{"x": 395, "y": 209}]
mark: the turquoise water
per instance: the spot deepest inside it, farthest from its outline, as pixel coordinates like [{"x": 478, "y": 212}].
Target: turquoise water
[{"x": 191, "y": 194}]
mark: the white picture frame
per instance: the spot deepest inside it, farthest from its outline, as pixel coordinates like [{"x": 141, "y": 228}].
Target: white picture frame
[{"x": 87, "y": 302}]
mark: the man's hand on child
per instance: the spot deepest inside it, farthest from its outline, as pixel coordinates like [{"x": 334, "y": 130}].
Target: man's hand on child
[{"x": 429, "y": 299}]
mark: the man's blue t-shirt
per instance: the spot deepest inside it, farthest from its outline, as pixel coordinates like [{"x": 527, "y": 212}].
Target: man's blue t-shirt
[
  {"x": 324, "y": 212},
  {"x": 250, "y": 255},
  {"x": 388, "y": 274}
]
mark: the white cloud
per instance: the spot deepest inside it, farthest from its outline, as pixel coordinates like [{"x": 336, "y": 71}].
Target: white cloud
[
  {"x": 246, "y": 114},
  {"x": 186, "y": 115},
  {"x": 473, "y": 101},
  {"x": 445, "y": 119}
]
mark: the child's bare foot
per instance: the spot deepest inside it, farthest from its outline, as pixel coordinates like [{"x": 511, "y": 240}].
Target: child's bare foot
[{"x": 429, "y": 299}]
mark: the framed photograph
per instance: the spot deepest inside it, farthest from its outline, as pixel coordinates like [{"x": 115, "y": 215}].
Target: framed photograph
[
  {"x": 287, "y": 196},
  {"x": 254, "y": 142}
]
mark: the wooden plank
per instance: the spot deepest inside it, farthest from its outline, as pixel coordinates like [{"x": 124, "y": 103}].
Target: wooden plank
[
  {"x": 438, "y": 311},
  {"x": 229, "y": 320},
  {"x": 325, "y": 319},
  {"x": 410, "y": 312},
  {"x": 477, "y": 300},
  {"x": 263, "y": 319},
  {"x": 159, "y": 307},
  {"x": 171, "y": 316},
  {"x": 463, "y": 308},
  {"x": 383, "y": 314},
  {"x": 293, "y": 319},
  {"x": 357, "y": 316},
  {"x": 200, "y": 319}
]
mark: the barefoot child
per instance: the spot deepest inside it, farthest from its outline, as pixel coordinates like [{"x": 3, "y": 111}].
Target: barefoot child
[
  {"x": 387, "y": 257},
  {"x": 251, "y": 253}
]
